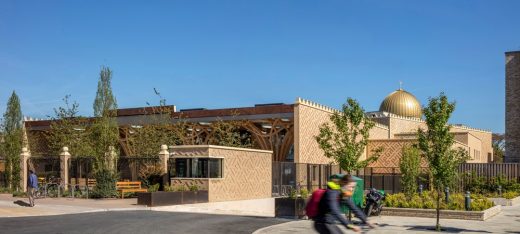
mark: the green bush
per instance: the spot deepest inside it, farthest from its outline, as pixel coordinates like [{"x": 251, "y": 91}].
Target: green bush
[
  {"x": 193, "y": 188},
  {"x": 510, "y": 195},
  {"x": 153, "y": 188},
  {"x": 304, "y": 193},
  {"x": 169, "y": 188},
  {"x": 427, "y": 201},
  {"x": 105, "y": 184},
  {"x": 181, "y": 188}
]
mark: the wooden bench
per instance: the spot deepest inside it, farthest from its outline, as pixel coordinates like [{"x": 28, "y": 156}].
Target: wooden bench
[{"x": 131, "y": 186}]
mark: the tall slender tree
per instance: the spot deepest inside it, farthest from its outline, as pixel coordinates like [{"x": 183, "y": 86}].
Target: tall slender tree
[
  {"x": 13, "y": 141},
  {"x": 436, "y": 144},
  {"x": 105, "y": 135},
  {"x": 344, "y": 139}
]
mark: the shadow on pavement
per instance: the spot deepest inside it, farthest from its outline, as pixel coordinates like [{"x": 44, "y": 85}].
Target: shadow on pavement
[
  {"x": 444, "y": 229},
  {"x": 22, "y": 203}
]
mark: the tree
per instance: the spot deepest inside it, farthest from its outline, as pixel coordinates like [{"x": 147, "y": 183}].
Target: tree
[
  {"x": 498, "y": 142},
  {"x": 105, "y": 136},
  {"x": 13, "y": 141},
  {"x": 69, "y": 129},
  {"x": 436, "y": 144},
  {"x": 344, "y": 139},
  {"x": 410, "y": 169}
]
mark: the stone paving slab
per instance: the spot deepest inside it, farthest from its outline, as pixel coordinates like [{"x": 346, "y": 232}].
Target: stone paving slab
[{"x": 508, "y": 221}]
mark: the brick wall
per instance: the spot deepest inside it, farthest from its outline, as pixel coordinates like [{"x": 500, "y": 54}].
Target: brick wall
[{"x": 512, "y": 107}]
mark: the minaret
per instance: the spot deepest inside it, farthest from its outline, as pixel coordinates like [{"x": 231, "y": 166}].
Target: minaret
[{"x": 512, "y": 154}]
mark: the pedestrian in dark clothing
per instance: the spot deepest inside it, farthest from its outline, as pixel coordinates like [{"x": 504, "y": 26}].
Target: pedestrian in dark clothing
[
  {"x": 329, "y": 212},
  {"x": 32, "y": 186}
]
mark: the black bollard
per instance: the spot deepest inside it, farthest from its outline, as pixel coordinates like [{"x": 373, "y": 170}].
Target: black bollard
[
  {"x": 447, "y": 195},
  {"x": 467, "y": 201},
  {"x": 420, "y": 189},
  {"x": 500, "y": 191}
]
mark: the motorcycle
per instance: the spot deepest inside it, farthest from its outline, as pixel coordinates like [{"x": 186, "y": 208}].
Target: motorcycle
[{"x": 374, "y": 202}]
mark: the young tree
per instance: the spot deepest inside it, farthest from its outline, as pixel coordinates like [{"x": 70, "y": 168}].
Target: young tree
[
  {"x": 410, "y": 169},
  {"x": 436, "y": 144},
  {"x": 105, "y": 136},
  {"x": 344, "y": 139},
  {"x": 13, "y": 141},
  {"x": 69, "y": 129},
  {"x": 498, "y": 142}
]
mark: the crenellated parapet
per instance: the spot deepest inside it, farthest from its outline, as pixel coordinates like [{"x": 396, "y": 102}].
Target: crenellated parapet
[{"x": 315, "y": 105}]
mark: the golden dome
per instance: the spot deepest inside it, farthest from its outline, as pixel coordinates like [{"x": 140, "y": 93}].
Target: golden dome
[{"x": 402, "y": 103}]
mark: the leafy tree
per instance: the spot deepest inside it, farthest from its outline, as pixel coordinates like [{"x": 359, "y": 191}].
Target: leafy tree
[
  {"x": 410, "y": 169},
  {"x": 498, "y": 142},
  {"x": 105, "y": 134},
  {"x": 227, "y": 133},
  {"x": 436, "y": 144},
  {"x": 13, "y": 141},
  {"x": 69, "y": 129},
  {"x": 344, "y": 139}
]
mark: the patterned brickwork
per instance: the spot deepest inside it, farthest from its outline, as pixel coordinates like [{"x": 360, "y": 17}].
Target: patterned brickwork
[
  {"x": 392, "y": 151},
  {"x": 512, "y": 107},
  {"x": 308, "y": 117},
  {"x": 247, "y": 175}
]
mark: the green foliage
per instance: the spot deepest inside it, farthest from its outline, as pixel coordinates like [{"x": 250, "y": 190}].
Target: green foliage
[
  {"x": 436, "y": 145},
  {"x": 69, "y": 129},
  {"x": 410, "y": 169},
  {"x": 169, "y": 188},
  {"x": 346, "y": 138},
  {"x": 154, "y": 188},
  {"x": 193, "y": 188},
  {"x": 181, "y": 188},
  {"x": 304, "y": 193},
  {"x": 510, "y": 194},
  {"x": 498, "y": 143},
  {"x": 480, "y": 185},
  {"x": 105, "y": 184},
  {"x": 227, "y": 133},
  {"x": 12, "y": 143},
  {"x": 104, "y": 130},
  {"x": 427, "y": 200}
]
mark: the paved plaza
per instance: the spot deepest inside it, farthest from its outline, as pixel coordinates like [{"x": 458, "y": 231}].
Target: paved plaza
[
  {"x": 64, "y": 215},
  {"x": 508, "y": 221}
]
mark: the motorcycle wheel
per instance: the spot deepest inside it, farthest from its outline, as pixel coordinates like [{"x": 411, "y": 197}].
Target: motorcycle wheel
[{"x": 368, "y": 210}]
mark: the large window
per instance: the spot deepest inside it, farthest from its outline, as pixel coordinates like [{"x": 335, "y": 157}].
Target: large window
[{"x": 198, "y": 168}]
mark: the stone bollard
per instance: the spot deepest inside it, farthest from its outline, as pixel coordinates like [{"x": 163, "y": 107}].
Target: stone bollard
[
  {"x": 64, "y": 166},
  {"x": 164, "y": 156},
  {"x": 24, "y": 170}
]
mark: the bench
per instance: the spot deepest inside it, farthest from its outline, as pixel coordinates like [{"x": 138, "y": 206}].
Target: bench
[{"x": 131, "y": 186}]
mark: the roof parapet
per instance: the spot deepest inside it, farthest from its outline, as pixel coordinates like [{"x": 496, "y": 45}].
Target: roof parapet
[{"x": 316, "y": 105}]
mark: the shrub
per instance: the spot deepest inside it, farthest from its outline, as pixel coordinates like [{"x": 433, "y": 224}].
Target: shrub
[
  {"x": 193, "y": 188},
  {"x": 105, "y": 184},
  {"x": 181, "y": 188},
  {"x": 153, "y": 188},
  {"x": 410, "y": 169},
  {"x": 169, "y": 188},
  {"x": 304, "y": 193},
  {"x": 510, "y": 195},
  {"x": 293, "y": 193},
  {"x": 150, "y": 175},
  {"x": 427, "y": 201}
]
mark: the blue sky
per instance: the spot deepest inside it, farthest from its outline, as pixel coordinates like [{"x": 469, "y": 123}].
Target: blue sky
[{"x": 217, "y": 54}]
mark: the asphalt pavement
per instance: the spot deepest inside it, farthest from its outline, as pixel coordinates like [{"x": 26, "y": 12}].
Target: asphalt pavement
[{"x": 148, "y": 222}]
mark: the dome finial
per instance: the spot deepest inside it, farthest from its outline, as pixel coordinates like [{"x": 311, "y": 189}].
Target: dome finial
[{"x": 400, "y": 85}]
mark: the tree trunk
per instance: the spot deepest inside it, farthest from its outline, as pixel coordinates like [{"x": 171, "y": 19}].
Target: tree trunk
[{"x": 438, "y": 226}]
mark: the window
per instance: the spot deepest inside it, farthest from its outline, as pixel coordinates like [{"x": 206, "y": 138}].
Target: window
[{"x": 198, "y": 168}]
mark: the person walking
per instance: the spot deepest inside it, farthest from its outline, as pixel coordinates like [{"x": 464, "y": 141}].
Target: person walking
[
  {"x": 329, "y": 211},
  {"x": 32, "y": 186}
]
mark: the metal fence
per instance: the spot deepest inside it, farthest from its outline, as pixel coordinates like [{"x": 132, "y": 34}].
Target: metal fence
[
  {"x": 288, "y": 176},
  {"x": 47, "y": 168}
]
